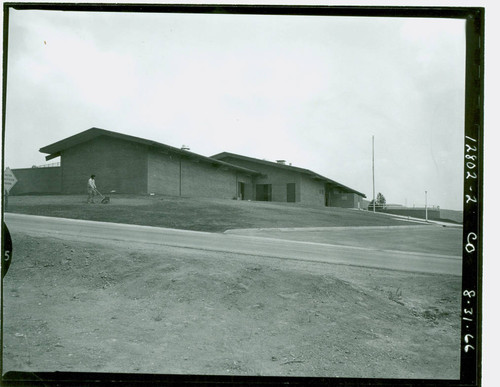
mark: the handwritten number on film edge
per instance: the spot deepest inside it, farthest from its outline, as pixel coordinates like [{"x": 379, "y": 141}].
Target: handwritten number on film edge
[
  {"x": 469, "y": 294},
  {"x": 470, "y": 199},
  {"x": 468, "y": 337},
  {"x": 470, "y": 247}
]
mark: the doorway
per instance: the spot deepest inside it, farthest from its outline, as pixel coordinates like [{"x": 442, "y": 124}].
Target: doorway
[
  {"x": 290, "y": 192},
  {"x": 263, "y": 192},
  {"x": 241, "y": 190}
]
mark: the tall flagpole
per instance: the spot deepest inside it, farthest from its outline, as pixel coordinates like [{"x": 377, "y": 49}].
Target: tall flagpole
[
  {"x": 426, "y": 218},
  {"x": 373, "y": 170}
]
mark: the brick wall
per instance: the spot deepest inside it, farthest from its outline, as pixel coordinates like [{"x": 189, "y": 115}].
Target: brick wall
[
  {"x": 358, "y": 201},
  {"x": 199, "y": 179},
  {"x": 171, "y": 174},
  {"x": 163, "y": 174},
  {"x": 345, "y": 199},
  {"x": 249, "y": 186},
  {"x": 118, "y": 165},
  {"x": 312, "y": 191},
  {"x": 37, "y": 181},
  {"x": 277, "y": 177}
]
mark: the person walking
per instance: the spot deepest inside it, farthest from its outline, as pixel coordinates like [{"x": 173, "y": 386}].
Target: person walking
[{"x": 91, "y": 189}]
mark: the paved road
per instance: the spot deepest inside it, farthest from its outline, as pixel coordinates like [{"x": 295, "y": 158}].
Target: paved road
[{"x": 238, "y": 244}]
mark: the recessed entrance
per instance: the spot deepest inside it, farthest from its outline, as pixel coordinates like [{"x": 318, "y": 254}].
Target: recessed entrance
[
  {"x": 241, "y": 190},
  {"x": 263, "y": 192},
  {"x": 290, "y": 192}
]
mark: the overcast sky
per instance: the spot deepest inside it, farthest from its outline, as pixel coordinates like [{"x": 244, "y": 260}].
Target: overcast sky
[{"x": 309, "y": 90}]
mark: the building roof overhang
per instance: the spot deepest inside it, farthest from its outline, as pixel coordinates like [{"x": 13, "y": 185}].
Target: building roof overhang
[
  {"x": 311, "y": 174},
  {"x": 55, "y": 150}
]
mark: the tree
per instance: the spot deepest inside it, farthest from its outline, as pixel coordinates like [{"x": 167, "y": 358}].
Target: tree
[
  {"x": 380, "y": 203},
  {"x": 381, "y": 200}
]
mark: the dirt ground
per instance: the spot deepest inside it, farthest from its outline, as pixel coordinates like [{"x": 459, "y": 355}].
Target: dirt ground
[{"x": 73, "y": 306}]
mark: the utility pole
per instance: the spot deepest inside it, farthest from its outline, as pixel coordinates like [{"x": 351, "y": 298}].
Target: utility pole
[
  {"x": 373, "y": 170},
  {"x": 426, "y": 206}
]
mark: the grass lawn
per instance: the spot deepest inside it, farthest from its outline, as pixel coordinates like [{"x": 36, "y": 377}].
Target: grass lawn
[{"x": 212, "y": 215}]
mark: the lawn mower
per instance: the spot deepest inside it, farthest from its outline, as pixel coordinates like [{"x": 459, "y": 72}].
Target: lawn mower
[{"x": 105, "y": 199}]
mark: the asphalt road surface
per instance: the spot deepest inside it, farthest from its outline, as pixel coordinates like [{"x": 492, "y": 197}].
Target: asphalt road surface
[{"x": 72, "y": 229}]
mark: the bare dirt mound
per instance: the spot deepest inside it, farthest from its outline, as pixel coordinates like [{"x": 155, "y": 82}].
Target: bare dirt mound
[{"x": 114, "y": 308}]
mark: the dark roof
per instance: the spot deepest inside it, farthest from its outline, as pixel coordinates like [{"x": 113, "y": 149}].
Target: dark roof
[
  {"x": 308, "y": 172},
  {"x": 55, "y": 149}
]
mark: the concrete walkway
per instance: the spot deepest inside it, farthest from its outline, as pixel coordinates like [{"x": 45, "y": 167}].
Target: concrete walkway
[
  {"x": 421, "y": 221},
  {"x": 312, "y": 229}
]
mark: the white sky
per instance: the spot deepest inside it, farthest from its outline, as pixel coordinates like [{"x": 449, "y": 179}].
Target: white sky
[{"x": 310, "y": 90}]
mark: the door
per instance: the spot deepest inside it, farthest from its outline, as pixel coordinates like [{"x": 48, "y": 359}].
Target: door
[
  {"x": 241, "y": 190},
  {"x": 290, "y": 192},
  {"x": 263, "y": 192}
]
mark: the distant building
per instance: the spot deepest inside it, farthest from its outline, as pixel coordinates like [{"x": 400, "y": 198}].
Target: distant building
[
  {"x": 279, "y": 182},
  {"x": 128, "y": 164}
]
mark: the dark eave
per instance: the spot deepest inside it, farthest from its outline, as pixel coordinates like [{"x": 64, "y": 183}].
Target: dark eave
[{"x": 52, "y": 156}]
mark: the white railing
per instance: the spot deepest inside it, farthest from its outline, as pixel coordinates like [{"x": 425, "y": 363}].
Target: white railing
[
  {"x": 50, "y": 165},
  {"x": 413, "y": 207}
]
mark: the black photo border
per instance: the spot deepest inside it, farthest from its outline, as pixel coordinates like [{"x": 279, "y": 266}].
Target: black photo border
[{"x": 471, "y": 308}]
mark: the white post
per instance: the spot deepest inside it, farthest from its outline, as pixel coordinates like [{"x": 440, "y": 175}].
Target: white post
[
  {"x": 373, "y": 170},
  {"x": 426, "y": 219}
]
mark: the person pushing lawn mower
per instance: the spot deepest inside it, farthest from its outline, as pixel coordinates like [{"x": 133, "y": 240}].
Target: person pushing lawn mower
[{"x": 92, "y": 190}]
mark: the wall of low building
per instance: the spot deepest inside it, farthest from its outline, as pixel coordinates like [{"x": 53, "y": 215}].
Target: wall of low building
[
  {"x": 171, "y": 174},
  {"x": 365, "y": 203},
  {"x": 119, "y": 165},
  {"x": 343, "y": 199},
  {"x": 357, "y": 201},
  {"x": 164, "y": 174},
  {"x": 278, "y": 177},
  {"x": 249, "y": 186},
  {"x": 307, "y": 190},
  {"x": 37, "y": 181},
  {"x": 280, "y": 180},
  {"x": 200, "y": 179},
  {"x": 312, "y": 191}
]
